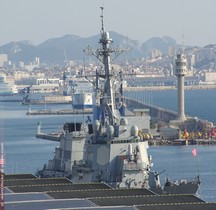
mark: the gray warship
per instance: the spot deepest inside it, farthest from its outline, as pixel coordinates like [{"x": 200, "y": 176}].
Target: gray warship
[{"x": 109, "y": 146}]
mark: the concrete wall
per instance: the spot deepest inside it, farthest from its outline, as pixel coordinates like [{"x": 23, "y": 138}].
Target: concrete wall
[{"x": 165, "y": 115}]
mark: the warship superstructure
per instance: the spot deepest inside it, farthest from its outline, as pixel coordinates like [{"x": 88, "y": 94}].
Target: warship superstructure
[{"x": 108, "y": 146}]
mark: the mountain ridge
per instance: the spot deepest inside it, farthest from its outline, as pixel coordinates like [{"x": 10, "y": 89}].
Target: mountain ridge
[{"x": 55, "y": 50}]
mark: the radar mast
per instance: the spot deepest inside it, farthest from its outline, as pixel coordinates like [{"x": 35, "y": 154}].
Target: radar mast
[{"x": 107, "y": 103}]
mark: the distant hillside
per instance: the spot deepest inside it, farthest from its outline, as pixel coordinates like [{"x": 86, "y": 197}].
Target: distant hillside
[
  {"x": 158, "y": 43},
  {"x": 71, "y": 47}
]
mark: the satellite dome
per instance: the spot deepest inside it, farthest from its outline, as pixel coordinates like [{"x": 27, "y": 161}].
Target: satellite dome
[
  {"x": 110, "y": 131},
  {"x": 134, "y": 130},
  {"x": 124, "y": 121}
]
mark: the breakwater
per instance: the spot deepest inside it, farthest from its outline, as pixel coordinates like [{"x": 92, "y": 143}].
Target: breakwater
[
  {"x": 154, "y": 111},
  {"x": 162, "y": 88},
  {"x": 164, "y": 116}
]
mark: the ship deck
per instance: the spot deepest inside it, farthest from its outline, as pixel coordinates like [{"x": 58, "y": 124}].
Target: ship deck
[{"x": 25, "y": 191}]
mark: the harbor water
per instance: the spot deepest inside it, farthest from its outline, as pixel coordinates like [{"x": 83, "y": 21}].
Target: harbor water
[{"x": 24, "y": 153}]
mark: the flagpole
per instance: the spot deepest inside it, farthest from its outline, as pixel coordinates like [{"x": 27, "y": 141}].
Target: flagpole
[
  {"x": 198, "y": 167},
  {"x": 195, "y": 155}
]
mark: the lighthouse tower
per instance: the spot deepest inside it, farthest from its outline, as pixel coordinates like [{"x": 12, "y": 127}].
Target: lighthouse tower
[{"x": 180, "y": 72}]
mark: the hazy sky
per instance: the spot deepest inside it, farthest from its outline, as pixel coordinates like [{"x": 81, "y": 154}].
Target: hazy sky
[{"x": 39, "y": 20}]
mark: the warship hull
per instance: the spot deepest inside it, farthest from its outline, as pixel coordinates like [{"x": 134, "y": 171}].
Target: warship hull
[{"x": 109, "y": 146}]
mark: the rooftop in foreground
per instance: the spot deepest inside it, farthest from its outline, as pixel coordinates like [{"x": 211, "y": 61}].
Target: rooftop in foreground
[{"x": 25, "y": 191}]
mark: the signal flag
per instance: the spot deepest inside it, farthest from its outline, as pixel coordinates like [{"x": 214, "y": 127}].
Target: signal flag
[{"x": 194, "y": 152}]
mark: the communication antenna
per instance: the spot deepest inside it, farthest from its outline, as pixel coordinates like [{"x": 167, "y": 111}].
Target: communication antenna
[
  {"x": 66, "y": 58},
  {"x": 183, "y": 43},
  {"x": 99, "y": 53},
  {"x": 102, "y": 20}
]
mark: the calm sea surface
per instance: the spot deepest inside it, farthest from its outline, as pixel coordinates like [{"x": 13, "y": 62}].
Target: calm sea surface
[
  {"x": 200, "y": 103},
  {"x": 25, "y": 154}
]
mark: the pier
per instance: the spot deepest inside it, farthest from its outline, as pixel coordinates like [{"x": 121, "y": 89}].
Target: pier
[
  {"x": 49, "y": 136},
  {"x": 59, "y": 112},
  {"x": 180, "y": 142}
]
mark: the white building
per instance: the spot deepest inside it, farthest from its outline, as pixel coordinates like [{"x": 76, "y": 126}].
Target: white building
[
  {"x": 3, "y": 59},
  {"x": 210, "y": 76}
]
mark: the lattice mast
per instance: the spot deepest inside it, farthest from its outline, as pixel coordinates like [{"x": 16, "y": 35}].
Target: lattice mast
[{"x": 103, "y": 54}]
